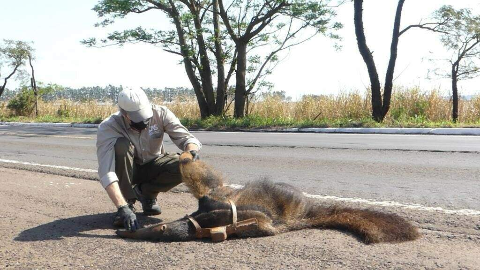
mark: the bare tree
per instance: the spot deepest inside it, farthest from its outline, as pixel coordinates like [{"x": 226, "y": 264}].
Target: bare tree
[
  {"x": 461, "y": 36},
  {"x": 380, "y": 107}
]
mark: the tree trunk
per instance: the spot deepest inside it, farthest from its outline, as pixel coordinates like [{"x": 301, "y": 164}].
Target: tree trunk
[
  {"x": 367, "y": 56},
  {"x": 205, "y": 70},
  {"x": 33, "y": 83},
  {"x": 454, "y": 93},
  {"x": 2, "y": 88},
  {"x": 202, "y": 104},
  {"x": 387, "y": 92},
  {"x": 221, "y": 84},
  {"x": 240, "y": 88}
]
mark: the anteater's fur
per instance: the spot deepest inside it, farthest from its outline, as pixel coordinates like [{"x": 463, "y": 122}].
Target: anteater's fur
[{"x": 278, "y": 207}]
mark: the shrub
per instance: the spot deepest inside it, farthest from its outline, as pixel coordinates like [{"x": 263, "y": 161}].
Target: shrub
[
  {"x": 63, "y": 111},
  {"x": 23, "y": 103}
]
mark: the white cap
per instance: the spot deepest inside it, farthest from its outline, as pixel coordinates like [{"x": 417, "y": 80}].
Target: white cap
[{"x": 135, "y": 103}]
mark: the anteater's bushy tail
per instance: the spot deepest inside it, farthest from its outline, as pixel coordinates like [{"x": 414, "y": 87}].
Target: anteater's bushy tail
[{"x": 368, "y": 225}]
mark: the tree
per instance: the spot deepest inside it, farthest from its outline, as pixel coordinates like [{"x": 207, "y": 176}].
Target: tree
[
  {"x": 254, "y": 23},
  {"x": 200, "y": 47},
  {"x": 33, "y": 83},
  {"x": 24, "y": 103},
  {"x": 13, "y": 55},
  {"x": 211, "y": 47},
  {"x": 381, "y": 107},
  {"x": 461, "y": 36}
]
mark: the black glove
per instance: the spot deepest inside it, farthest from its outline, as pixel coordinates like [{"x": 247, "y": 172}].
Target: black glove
[
  {"x": 129, "y": 219},
  {"x": 195, "y": 155}
]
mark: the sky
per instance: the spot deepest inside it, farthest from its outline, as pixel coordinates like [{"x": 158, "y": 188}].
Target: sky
[{"x": 56, "y": 28}]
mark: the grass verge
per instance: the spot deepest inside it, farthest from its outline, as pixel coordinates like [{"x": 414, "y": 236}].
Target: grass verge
[{"x": 258, "y": 122}]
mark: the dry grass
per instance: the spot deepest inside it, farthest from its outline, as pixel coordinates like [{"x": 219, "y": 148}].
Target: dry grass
[
  {"x": 407, "y": 104},
  {"x": 412, "y": 103},
  {"x": 431, "y": 106}
]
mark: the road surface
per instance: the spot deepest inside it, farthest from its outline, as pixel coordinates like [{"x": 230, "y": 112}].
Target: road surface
[{"x": 54, "y": 216}]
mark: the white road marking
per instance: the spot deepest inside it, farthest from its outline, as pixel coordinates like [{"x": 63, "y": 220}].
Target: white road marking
[
  {"x": 462, "y": 212},
  {"x": 72, "y": 137},
  {"x": 43, "y": 135},
  {"x": 235, "y": 186},
  {"x": 47, "y": 166}
]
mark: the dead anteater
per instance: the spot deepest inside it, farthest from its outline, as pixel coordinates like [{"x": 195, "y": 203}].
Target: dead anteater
[{"x": 275, "y": 208}]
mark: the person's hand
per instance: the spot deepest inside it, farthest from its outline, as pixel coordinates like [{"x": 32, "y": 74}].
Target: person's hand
[
  {"x": 129, "y": 218},
  {"x": 195, "y": 155}
]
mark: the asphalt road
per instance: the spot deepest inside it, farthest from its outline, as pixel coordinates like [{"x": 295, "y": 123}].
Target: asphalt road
[
  {"x": 441, "y": 171},
  {"x": 431, "y": 180}
]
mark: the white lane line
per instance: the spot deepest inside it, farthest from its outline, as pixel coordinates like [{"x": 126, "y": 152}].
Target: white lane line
[
  {"x": 462, "y": 212},
  {"x": 46, "y": 135},
  {"x": 47, "y": 166},
  {"x": 72, "y": 137},
  {"x": 419, "y": 207}
]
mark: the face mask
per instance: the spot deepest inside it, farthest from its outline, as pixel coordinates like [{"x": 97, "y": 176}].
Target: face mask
[{"x": 140, "y": 125}]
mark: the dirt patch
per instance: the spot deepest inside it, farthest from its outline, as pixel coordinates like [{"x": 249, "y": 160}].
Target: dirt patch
[{"x": 58, "y": 222}]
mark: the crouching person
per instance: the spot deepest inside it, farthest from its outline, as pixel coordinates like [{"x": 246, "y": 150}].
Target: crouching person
[{"x": 132, "y": 162}]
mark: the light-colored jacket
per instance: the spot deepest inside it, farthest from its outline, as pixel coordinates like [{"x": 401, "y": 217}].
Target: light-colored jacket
[{"x": 148, "y": 143}]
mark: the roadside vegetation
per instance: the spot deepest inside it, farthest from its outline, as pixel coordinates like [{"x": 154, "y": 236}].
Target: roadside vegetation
[
  {"x": 410, "y": 108},
  {"x": 229, "y": 48}
]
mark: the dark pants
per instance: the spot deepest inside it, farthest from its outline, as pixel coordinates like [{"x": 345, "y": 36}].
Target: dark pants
[{"x": 158, "y": 175}]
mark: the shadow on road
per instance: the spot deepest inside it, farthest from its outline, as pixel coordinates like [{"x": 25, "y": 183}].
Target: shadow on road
[{"x": 81, "y": 226}]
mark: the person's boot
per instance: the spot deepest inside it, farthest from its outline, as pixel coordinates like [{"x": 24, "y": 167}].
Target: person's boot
[
  {"x": 149, "y": 205},
  {"x": 117, "y": 220}
]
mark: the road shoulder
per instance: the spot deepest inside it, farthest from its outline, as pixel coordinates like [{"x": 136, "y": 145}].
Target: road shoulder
[{"x": 61, "y": 222}]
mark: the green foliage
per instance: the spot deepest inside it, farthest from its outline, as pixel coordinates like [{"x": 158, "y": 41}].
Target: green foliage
[
  {"x": 14, "y": 53},
  {"x": 457, "y": 26},
  {"x": 23, "y": 103},
  {"x": 193, "y": 38},
  {"x": 229, "y": 123},
  {"x": 51, "y": 119},
  {"x": 418, "y": 110},
  {"x": 13, "y": 56},
  {"x": 63, "y": 111},
  {"x": 460, "y": 34},
  {"x": 117, "y": 8},
  {"x": 50, "y": 88},
  {"x": 253, "y": 122},
  {"x": 288, "y": 22},
  {"x": 280, "y": 26},
  {"x": 258, "y": 122},
  {"x": 109, "y": 93}
]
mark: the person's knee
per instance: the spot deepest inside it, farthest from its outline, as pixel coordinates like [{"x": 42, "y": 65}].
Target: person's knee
[{"x": 122, "y": 147}]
